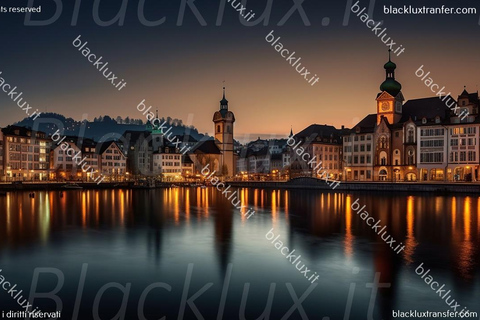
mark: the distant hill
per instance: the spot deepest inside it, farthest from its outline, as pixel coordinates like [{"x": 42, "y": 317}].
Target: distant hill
[{"x": 103, "y": 127}]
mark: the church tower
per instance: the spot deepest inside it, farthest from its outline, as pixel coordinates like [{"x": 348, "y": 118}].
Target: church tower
[
  {"x": 390, "y": 99},
  {"x": 223, "y": 125},
  {"x": 157, "y": 134}
]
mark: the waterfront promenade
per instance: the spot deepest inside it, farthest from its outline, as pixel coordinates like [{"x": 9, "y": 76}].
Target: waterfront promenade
[{"x": 298, "y": 183}]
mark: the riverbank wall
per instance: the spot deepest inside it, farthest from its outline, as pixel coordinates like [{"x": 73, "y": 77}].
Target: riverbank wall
[{"x": 299, "y": 183}]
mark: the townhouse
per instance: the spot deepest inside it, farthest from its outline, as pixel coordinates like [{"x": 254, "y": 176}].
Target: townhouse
[
  {"x": 113, "y": 162},
  {"x": 25, "y": 154},
  {"x": 323, "y": 144}
]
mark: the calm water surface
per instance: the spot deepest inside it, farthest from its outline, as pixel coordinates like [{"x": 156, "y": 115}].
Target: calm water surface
[{"x": 171, "y": 252}]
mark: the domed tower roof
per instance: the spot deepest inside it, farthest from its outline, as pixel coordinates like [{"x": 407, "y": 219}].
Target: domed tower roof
[
  {"x": 390, "y": 65},
  {"x": 390, "y": 85},
  {"x": 223, "y": 112}
]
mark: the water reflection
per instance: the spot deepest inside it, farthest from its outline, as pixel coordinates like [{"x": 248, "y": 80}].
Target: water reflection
[
  {"x": 441, "y": 231},
  {"x": 348, "y": 228},
  {"x": 410, "y": 242}
]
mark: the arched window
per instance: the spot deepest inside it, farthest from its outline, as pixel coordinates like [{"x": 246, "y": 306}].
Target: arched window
[
  {"x": 218, "y": 128},
  {"x": 383, "y": 158},
  {"x": 383, "y": 142},
  {"x": 410, "y": 135},
  {"x": 411, "y": 157}
]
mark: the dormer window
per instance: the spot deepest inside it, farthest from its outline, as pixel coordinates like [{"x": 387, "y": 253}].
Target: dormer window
[
  {"x": 424, "y": 120},
  {"x": 437, "y": 119}
]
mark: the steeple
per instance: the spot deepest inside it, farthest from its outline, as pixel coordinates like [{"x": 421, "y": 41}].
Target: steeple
[
  {"x": 224, "y": 102},
  {"x": 223, "y": 120},
  {"x": 390, "y": 85},
  {"x": 291, "y": 132}
]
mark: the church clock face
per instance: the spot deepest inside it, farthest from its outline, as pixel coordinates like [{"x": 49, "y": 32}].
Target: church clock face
[{"x": 385, "y": 106}]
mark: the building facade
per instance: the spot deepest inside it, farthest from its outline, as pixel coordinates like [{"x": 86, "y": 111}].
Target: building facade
[
  {"x": 167, "y": 162},
  {"x": 429, "y": 139},
  {"x": 25, "y": 154},
  {"x": 323, "y": 144},
  {"x": 113, "y": 163},
  {"x": 64, "y": 167}
]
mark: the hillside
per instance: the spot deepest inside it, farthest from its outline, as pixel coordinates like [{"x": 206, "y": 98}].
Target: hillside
[{"x": 101, "y": 128}]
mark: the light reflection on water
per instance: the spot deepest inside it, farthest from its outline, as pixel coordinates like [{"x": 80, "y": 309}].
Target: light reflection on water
[{"x": 165, "y": 229}]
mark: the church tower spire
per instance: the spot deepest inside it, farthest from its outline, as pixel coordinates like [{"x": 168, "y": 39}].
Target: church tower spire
[
  {"x": 224, "y": 102},
  {"x": 390, "y": 99},
  {"x": 390, "y": 85},
  {"x": 223, "y": 120}
]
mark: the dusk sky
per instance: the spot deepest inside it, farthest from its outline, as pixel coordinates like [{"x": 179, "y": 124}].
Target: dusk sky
[{"x": 180, "y": 69}]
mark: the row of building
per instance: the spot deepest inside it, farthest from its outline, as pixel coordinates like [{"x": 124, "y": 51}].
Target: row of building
[
  {"x": 28, "y": 155},
  {"x": 430, "y": 139}
]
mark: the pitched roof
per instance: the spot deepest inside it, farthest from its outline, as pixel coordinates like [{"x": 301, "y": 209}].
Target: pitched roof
[
  {"x": 473, "y": 97},
  {"x": 22, "y": 131},
  {"x": 132, "y": 137},
  {"x": 101, "y": 147},
  {"x": 426, "y": 108},
  {"x": 206, "y": 147},
  {"x": 186, "y": 138},
  {"x": 80, "y": 142},
  {"x": 366, "y": 125},
  {"x": 318, "y": 131}
]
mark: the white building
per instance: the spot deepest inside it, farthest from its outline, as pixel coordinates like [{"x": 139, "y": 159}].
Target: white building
[
  {"x": 64, "y": 167},
  {"x": 448, "y": 150},
  {"x": 113, "y": 161},
  {"x": 62, "y": 164},
  {"x": 167, "y": 162}
]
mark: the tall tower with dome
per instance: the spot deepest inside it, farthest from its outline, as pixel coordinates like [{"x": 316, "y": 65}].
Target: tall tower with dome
[{"x": 390, "y": 99}]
